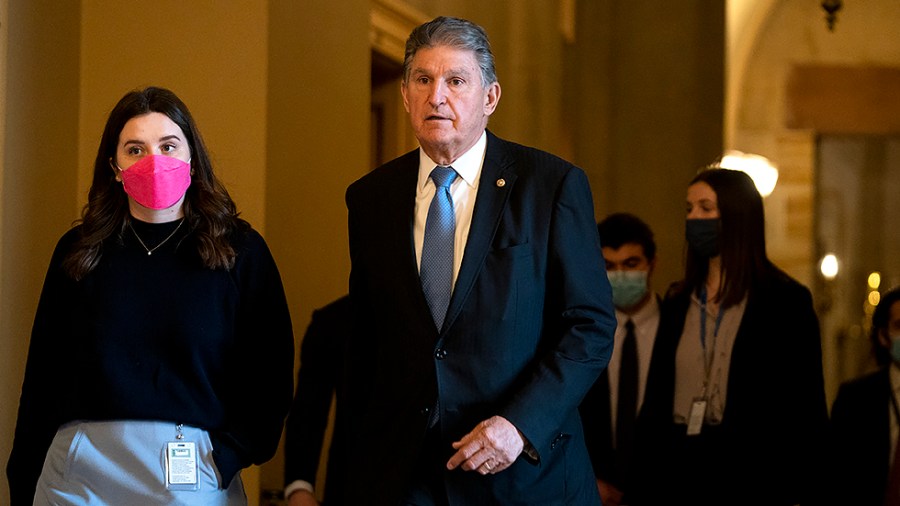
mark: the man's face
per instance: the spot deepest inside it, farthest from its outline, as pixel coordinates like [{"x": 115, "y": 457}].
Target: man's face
[
  {"x": 628, "y": 271},
  {"x": 447, "y": 104}
]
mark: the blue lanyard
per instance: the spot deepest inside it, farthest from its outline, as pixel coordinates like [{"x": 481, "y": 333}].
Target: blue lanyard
[
  {"x": 893, "y": 398},
  {"x": 703, "y": 320}
]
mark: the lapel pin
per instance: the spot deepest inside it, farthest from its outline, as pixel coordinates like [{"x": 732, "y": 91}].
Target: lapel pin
[{"x": 501, "y": 183}]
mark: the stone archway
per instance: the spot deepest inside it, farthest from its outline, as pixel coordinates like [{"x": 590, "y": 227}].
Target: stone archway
[{"x": 792, "y": 81}]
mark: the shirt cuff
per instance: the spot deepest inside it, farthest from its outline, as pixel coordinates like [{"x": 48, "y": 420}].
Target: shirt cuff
[
  {"x": 297, "y": 485},
  {"x": 531, "y": 451}
]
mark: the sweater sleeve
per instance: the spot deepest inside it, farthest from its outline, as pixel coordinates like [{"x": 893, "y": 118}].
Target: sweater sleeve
[{"x": 262, "y": 386}]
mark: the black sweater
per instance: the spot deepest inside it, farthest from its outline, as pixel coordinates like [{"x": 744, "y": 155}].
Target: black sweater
[{"x": 159, "y": 337}]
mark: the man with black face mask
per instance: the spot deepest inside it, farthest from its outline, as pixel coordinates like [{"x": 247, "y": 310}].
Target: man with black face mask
[{"x": 611, "y": 407}]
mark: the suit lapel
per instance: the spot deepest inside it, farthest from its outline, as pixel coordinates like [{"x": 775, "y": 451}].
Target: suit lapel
[{"x": 495, "y": 183}]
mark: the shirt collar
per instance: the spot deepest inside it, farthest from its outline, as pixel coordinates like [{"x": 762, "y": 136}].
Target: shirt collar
[
  {"x": 643, "y": 314},
  {"x": 468, "y": 166}
]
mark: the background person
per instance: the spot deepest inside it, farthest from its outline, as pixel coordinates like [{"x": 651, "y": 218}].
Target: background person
[
  {"x": 319, "y": 381},
  {"x": 468, "y": 368},
  {"x": 865, "y": 420},
  {"x": 610, "y": 409},
  {"x": 734, "y": 411},
  {"x": 162, "y": 320}
]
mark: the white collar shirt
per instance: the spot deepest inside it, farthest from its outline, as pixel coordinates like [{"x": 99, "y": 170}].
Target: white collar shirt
[
  {"x": 463, "y": 191},
  {"x": 646, "y": 323}
]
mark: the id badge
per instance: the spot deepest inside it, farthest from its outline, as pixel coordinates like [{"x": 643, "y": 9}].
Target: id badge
[
  {"x": 698, "y": 413},
  {"x": 181, "y": 466}
]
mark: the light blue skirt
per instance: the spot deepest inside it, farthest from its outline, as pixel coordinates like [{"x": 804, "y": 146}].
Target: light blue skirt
[{"x": 124, "y": 463}]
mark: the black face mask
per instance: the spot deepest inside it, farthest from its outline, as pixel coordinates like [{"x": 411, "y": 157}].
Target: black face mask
[{"x": 703, "y": 236}]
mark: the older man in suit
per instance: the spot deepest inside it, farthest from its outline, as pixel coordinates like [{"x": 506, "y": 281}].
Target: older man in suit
[{"x": 483, "y": 311}]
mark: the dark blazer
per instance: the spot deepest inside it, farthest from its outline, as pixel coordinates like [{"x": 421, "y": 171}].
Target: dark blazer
[
  {"x": 528, "y": 330},
  {"x": 769, "y": 447},
  {"x": 319, "y": 380},
  {"x": 596, "y": 414},
  {"x": 861, "y": 440}
]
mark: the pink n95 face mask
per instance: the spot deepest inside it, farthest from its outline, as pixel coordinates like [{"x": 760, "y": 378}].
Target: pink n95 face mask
[{"x": 157, "y": 181}]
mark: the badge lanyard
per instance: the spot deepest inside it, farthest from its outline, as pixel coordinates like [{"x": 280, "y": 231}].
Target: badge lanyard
[
  {"x": 698, "y": 406},
  {"x": 708, "y": 362}
]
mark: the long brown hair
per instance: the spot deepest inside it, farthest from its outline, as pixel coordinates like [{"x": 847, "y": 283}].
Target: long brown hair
[
  {"x": 208, "y": 209},
  {"x": 742, "y": 237}
]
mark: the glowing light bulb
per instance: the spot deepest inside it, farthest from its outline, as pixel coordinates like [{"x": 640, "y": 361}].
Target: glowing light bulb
[
  {"x": 759, "y": 168},
  {"x": 829, "y": 266}
]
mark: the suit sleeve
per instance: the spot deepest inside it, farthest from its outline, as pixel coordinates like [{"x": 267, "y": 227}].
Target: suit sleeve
[
  {"x": 320, "y": 367},
  {"x": 579, "y": 319}
]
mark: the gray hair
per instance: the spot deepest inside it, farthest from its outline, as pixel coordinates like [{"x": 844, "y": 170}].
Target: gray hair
[{"x": 453, "y": 32}]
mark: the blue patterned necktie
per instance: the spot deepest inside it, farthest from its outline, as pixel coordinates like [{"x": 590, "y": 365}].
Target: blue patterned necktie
[{"x": 436, "y": 270}]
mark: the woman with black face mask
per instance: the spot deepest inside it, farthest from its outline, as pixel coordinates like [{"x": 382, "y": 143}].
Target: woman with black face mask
[{"x": 735, "y": 409}]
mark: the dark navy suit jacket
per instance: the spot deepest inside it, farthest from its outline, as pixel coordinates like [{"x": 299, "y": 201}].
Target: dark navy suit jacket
[
  {"x": 770, "y": 447},
  {"x": 596, "y": 413},
  {"x": 861, "y": 440},
  {"x": 528, "y": 330},
  {"x": 319, "y": 381}
]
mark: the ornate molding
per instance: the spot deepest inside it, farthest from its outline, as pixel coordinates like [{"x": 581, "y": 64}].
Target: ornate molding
[{"x": 391, "y": 22}]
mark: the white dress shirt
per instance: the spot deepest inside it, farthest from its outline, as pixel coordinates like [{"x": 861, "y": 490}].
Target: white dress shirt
[
  {"x": 646, "y": 322},
  {"x": 463, "y": 191}
]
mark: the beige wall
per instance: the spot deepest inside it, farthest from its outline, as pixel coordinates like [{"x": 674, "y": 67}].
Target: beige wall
[
  {"x": 10, "y": 351},
  {"x": 646, "y": 108},
  {"x": 39, "y": 174},
  {"x": 318, "y": 143},
  {"x": 212, "y": 55}
]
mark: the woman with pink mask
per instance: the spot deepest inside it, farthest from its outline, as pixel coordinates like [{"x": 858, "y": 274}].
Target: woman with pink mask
[{"x": 161, "y": 357}]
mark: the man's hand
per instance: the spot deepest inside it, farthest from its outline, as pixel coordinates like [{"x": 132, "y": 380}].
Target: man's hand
[
  {"x": 491, "y": 447},
  {"x": 302, "y": 498}
]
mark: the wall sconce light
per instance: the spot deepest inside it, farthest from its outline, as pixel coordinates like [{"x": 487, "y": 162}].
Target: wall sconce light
[
  {"x": 831, "y": 8},
  {"x": 759, "y": 168}
]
